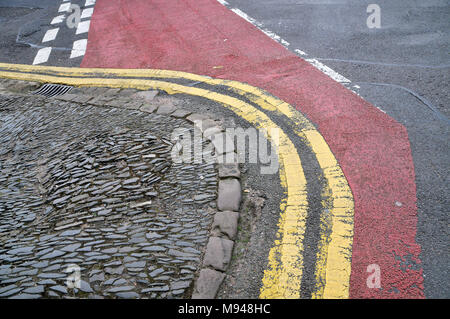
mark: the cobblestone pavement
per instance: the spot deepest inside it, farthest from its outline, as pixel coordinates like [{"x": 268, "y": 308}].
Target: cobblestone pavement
[{"x": 96, "y": 187}]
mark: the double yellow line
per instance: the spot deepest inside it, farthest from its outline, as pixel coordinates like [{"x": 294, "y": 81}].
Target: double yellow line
[{"x": 283, "y": 276}]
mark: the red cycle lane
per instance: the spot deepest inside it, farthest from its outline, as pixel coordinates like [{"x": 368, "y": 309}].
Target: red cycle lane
[{"x": 204, "y": 37}]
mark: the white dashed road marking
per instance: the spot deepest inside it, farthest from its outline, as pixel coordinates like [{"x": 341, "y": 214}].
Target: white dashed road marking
[
  {"x": 42, "y": 55},
  {"x": 58, "y": 19},
  {"x": 322, "y": 67},
  {"x": 50, "y": 35},
  {"x": 64, "y": 7},
  {"x": 79, "y": 48},
  {"x": 87, "y": 13},
  {"x": 83, "y": 27}
]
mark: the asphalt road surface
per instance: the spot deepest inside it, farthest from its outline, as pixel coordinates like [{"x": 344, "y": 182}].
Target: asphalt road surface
[
  {"x": 402, "y": 68},
  {"x": 408, "y": 57},
  {"x": 24, "y": 24}
]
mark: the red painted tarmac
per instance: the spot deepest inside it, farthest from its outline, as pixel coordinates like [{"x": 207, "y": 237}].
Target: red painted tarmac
[{"x": 204, "y": 37}]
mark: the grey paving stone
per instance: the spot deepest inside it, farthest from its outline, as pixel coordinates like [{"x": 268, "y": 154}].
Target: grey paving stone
[
  {"x": 7, "y": 288},
  {"x": 70, "y": 233},
  {"x": 208, "y": 284},
  {"x": 34, "y": 290},
  {"x": 59, "y": 288},
  {"x": 21, "y": 251},
  {"x": 180, "y": 113},
  {"x": 98, "y": 277},
  {"x": 156, "y": 289},
  {"x": 229, "y": 170},
  {"x": 120, "y": 288},
  {"x": 85, "y": 287},
  {"x": 218, "y": 253},
  {"x": 225, "y": 223},
  {"x": 166, "y": 109},
  {"x": 71, "y": 248},
  {"x": 55, "y": 253},
  {"x": 229, "y": 197},
  {"x": 127, "y": 295},
  {"x": 146, "y": 95},
  {"x": 148, "y": 108}
]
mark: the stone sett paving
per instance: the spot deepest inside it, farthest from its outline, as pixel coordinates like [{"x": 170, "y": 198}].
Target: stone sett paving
[{"x": 96, "y": 187}]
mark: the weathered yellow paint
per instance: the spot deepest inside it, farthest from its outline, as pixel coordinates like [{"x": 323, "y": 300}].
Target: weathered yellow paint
[
  {"x": 333, "y": 264},
  {"x": 333, "y": 259}
]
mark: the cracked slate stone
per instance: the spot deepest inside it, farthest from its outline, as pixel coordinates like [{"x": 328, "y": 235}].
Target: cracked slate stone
[
  {"x": 148, "y": 96},
  {"x": 180, "y": 113},
  {"x": 53, "y": 254},
  {"x": 98, "y": 277},
  {"x": 180, "y": 285},
  {"x": 156, "y": 289},
  {"x": 71, "y": 248},
  {"x": 7, "y": 288},
  {"x": 120, "y": 289},
  {"x": 85, "y": 287},
  {"x": 21, "y": 251},
  {"x": 114, "y": 271},
  {"x": 127, "y": 295},
  {"x": 59, "y": 288},
  {"x": 70, "y": 233},
  {"x": 149, "y": 108},
  {"x": 34, "y": 290},
  {"x": 165, "y": 109},
  {"x": 137, "y": 264}
]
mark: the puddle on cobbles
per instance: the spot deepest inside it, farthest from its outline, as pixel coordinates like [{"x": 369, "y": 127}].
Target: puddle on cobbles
[{"x": 94, "y": 190}]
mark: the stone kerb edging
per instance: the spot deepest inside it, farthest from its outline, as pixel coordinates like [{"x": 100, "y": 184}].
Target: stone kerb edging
[{"x": 224, "y": 228}]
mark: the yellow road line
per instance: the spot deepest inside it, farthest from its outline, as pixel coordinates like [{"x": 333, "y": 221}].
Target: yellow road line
[
  {"x": 333, "y": 258},
  {"x": 333, "y": 262},
  {"x": 284, "y": 278}
]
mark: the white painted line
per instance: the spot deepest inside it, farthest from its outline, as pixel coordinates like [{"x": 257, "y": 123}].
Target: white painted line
[
  {"x": 42, "y": 55},
  {"x": 50, "y": 35},
  {"x": 89, "y": 3},
  {"x": 246, "y": 17},
  {"x": 83, "y": 27},
  {"x": 300, "y": 52},
  {"x": 79, "y": 48},
  {"x": 259, "y": 25},
  {"x": 322, "y": 67},
  {"x": 58, "y": 19},
  {"x": 276, "y": 37},
  {"x": 328, "y": 71},
  {"x": 64, "y": 7},
  {"x": 87, "y": 13}
]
